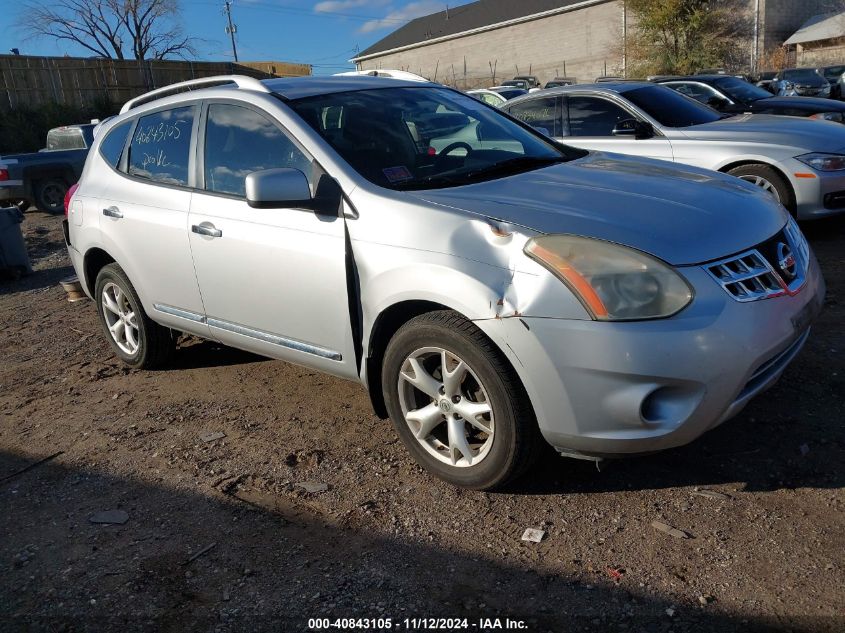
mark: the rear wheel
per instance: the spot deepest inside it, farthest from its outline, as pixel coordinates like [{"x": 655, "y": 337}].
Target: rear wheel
[
  {"x": 456, "y": 403},
  {"x": 136, "y": 339},
  {"x": 767, "y": 179},
  {"x": 50, "y": 195}
]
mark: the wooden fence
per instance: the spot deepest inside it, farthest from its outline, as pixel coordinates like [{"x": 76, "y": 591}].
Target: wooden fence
[{"x": 32, "y": 81}]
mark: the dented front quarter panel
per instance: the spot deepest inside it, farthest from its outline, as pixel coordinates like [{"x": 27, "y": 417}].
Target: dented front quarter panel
[{"x": 464, "y": 261}]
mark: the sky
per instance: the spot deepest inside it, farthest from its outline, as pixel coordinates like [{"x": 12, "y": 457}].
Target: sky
[{"x": 325, "y": 33}]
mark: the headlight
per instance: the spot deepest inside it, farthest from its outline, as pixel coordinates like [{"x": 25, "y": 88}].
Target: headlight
[
  {"x": 615, "y": 283},
  {"x": 828, "y": 116},
  {"x": 823, "y": 162}
]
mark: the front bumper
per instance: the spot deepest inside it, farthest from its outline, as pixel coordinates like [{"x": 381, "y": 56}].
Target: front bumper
[
  {"x": 603, "y": 389},
  {"x": 818, "y": 197}
]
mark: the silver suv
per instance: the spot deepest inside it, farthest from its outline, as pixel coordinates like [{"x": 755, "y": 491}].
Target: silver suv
[{"x": 488, "y": 295}]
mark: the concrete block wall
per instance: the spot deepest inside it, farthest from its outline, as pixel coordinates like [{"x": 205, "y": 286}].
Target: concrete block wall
[
  {"x": 781, "y": 18},
  {"x": 585, "y": 39}
]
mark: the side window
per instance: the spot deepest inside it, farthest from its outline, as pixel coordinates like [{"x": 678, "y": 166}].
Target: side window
[
  {"x": 239, "y": 141},
  {"x": 539, "y": 113},
  {"x": 161, "y": 146},
  {"x": 112, "y": 146},
  {"x": 592, "y": 116}
]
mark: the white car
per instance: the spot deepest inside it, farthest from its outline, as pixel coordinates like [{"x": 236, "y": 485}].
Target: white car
[{"x": 801, "y": 162}]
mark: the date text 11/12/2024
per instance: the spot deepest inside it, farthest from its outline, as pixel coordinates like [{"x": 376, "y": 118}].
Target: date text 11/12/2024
[{"x": 417, "y": 624}]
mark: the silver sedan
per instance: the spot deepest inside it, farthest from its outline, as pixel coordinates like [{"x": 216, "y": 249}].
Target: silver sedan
[{"x": 800, "y": 162}]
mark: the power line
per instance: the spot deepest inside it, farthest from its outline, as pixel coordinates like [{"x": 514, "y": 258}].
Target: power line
[{"x": 272, "y": 8}]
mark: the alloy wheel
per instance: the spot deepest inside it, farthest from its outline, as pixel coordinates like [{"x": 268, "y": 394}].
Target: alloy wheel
[
  {"x": 762, "y": 183},
  {"x": 120, "y": 318},
  {"x": 446, "y": 407}
]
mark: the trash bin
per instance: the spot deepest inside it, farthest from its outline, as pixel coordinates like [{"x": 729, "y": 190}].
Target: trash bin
[{"x": 14, "y": 260}]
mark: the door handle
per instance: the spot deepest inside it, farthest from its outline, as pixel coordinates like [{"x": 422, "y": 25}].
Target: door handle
[
  {"x": 112, "y": 212},
  {"x": 206, "y": 229}
]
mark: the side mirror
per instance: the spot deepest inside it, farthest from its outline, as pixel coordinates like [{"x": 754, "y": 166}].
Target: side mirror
[
  {"x": 542, "y": 130},
  {"x": 633, "y": 127},
  {"x": 278, "y": 189}
]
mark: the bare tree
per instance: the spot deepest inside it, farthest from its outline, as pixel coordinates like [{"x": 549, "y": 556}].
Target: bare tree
[{"x": 148, "y": 29}]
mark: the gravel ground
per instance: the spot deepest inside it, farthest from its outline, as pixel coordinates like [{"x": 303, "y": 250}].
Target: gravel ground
[{"x": 220, "y": 536}]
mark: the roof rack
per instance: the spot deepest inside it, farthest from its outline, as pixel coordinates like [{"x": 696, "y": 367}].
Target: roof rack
[{"x": 241, "y": 81}]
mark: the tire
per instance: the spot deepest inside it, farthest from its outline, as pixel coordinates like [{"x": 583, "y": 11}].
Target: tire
[
  {"x": 116, "y": 300},
  {"x": 504, "y": 440},
  {"x": 767, "y": 178},
  {"x": 50, "y": 195}
]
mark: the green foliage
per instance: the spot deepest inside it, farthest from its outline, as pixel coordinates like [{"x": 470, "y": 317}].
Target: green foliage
[
  {"x": 683, "y": 36},
  {"x": 24, "y": 129}
]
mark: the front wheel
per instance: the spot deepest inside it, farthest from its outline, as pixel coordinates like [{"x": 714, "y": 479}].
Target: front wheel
[
  {"x": 457, "y": 404},
  {"x": 136, "y": 339},
  {"x": 767, "y": 179}
]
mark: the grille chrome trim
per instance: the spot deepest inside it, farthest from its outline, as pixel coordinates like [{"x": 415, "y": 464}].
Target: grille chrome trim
[{"x": 749, "y": 276}]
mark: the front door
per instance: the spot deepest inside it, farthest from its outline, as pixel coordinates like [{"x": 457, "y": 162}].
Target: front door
[
  {"x": 273, "y": 281},
  {"x": 588, "y": 122}
]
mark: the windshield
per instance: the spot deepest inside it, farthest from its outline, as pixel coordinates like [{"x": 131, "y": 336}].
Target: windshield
[
  {"x": 802, "y": 74},
  {"x": 740, "y": 90},
  {"x": 424, "y": 138},
  {"x": 670, "y": 108}
]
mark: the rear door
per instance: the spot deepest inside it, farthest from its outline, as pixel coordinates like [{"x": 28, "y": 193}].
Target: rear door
[
  {"x": 588, "y": 122},
  {"x": 273, "y": 280},
  {"x": 144, "y": 216}
]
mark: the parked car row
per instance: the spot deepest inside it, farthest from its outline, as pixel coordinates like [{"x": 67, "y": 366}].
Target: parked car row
[{"x": 494, "y": 277}]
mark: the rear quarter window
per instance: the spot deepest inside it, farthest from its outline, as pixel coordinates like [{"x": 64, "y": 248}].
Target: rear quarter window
[
  {"x": 111, "y": 147},
  {"x": 161, "y": 146}
]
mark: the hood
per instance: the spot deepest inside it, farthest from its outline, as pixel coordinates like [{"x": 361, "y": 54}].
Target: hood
[
  {"x": 808, "y": 104},
  {"x": 683, "y": 215},
  {"x": 801, "y": 133}
]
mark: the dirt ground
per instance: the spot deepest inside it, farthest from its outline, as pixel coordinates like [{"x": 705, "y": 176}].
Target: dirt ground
[{"x": 220, "y": 537}]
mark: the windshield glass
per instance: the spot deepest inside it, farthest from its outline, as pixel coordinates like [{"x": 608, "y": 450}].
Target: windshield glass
[
  {"x": 423, "y": 138},
  {"x": 802, "y": 74},
  {"x": 740, "y": 90},
  {"x": 670, "y": 108}
]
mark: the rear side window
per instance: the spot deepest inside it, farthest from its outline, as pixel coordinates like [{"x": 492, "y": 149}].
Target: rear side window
[
  {"x": 592, "y": 116},
  {"x": 112, "y": 146},
  {"x": 161, "y": 146},
  {"x": 239, "y": 141},
  {"x": 539, "y": 114}
]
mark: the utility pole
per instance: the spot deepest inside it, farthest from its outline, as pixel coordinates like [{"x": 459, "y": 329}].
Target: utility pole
[{"x": 231, "y": 29}]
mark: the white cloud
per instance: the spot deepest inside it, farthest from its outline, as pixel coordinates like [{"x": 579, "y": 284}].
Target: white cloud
[
  {"x": 333, "y": 6},
  {"x": 395, "y": 18}
]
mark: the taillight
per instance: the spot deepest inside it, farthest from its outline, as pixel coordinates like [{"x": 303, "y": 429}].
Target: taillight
[
  {"x": 4, "y": 173},
  {"x": 68, "y": 196}
]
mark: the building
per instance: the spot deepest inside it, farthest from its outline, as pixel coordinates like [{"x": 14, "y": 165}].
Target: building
[
  {"x": 485, "y": 42},
  {"x": 819, "y": 42}
]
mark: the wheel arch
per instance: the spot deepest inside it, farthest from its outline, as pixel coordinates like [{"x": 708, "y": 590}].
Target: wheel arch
[
  {"x": 749, "y": 161},
  {"x": 385, "y": 325},
  {"x": 92, "y": 263}
]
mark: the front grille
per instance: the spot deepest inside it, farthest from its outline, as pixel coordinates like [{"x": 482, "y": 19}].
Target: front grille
[{"x": 773, "y": 268}]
